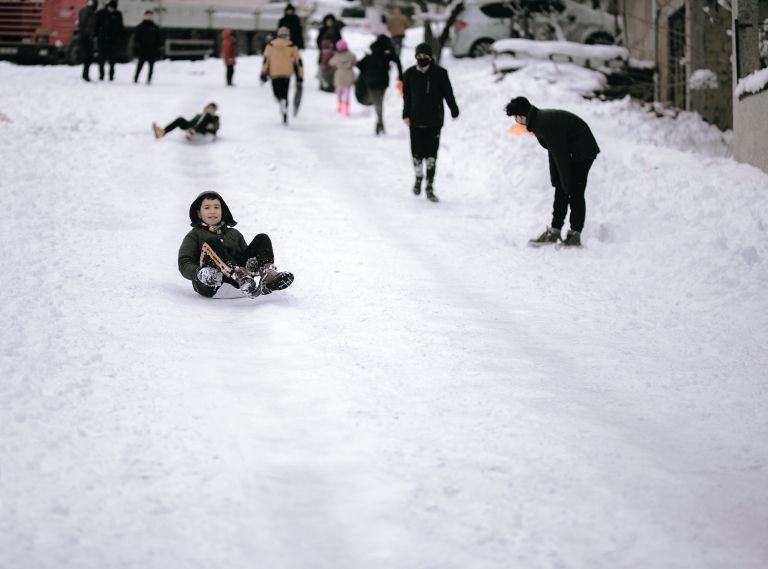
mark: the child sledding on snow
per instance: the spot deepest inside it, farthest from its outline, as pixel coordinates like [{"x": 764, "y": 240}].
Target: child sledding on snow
[
  {"x": 206, "y": 122},
  {"x": 214, "y": 252}
]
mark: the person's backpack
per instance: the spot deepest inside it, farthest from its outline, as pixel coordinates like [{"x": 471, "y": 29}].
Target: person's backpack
[{"x": 361, "y": 85}]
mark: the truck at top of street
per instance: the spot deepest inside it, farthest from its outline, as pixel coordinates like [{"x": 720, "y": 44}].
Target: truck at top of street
[{"x": 45, "y": 31}]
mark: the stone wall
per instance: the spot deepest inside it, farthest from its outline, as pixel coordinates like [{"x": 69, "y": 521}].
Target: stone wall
[{"x": 710, "y": 47}]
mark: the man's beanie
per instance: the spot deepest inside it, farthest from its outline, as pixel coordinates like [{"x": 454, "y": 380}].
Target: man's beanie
[
  {"x": 424, "y": 49},
  {"x": 519, "y": 106},
  {"x": 283, "y": 32}
]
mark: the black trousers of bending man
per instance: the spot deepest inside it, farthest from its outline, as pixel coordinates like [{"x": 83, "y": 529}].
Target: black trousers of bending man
[{"x": 578, "y": 185}]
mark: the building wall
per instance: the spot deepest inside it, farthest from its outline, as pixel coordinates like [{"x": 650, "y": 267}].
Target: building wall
[
  {"x": 710, "y": 47},
  {"x": 666, "y": 9},
  {"x": 638, "y": 26},
  {"x": 750, "y": 113},
  {"x": 750, "y": 125}
]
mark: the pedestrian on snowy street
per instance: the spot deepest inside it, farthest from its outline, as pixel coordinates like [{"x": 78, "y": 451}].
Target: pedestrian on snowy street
[
  {"x": 344, "y": 77},
  {"x": 572, "y": 150},
  {"x": 86, "y": 26},
  {"x": 229, "y": 53},
  {"x": 147, "y": 40},
  {"x": 425, "y": 86},
  {"x": 206, "y": 122},
  {"x": 376, "y": 75},
  {"x": 109, "y": 36},
  {"x": 291, "y": 21},
  {"x": 281, "y": 60},
  {"x": 214, "y": 252},
  {"x": 397, "y": 24},
  {"x": 327, "y": 36}
]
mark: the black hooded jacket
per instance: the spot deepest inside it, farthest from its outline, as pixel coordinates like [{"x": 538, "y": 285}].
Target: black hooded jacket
[
  {"x": 147, "y": 39},
  {"x": 189, "y": 252},
  {"x": 378, "y": 62},
  {"x": 566, "y": 137},
  {"x": 293, "y": 23},
  {"x": 423, "y": 96}
]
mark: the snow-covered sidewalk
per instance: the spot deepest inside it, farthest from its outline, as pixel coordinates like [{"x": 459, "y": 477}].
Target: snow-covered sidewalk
[{"x": 430, "y": 393}]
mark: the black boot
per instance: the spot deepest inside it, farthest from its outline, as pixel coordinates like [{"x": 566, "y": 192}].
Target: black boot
[
  {"x": 417, "y": 186},
  {"x": 430, "y": 190}
]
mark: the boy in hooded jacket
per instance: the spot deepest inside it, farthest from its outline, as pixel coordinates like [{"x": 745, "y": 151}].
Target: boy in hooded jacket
[{"x": 214, "y": 252}]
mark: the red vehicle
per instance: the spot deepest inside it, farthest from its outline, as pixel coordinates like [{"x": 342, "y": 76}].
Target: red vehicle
[{"x": 37, "y": 31}]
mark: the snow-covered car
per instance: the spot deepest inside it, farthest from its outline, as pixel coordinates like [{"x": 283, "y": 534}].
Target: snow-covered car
[{"x": 482, "y": 22}]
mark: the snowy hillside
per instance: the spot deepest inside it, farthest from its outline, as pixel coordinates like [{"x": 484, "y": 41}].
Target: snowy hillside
[{"x": 431, "y": 392}]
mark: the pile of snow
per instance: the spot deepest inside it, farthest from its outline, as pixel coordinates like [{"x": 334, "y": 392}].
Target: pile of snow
[
  {"x": 595, "y": 56},
  {"x": 430, "y": 392},
  {"x": 703, "y": 79},
  {"x": 752, "y": 83}
]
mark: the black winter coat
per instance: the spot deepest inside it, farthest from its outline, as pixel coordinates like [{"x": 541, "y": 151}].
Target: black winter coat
[
  {"x": 202, "y": 121},
  {"x": 423, "y": 96},
  {"x": 147, "y": 40},
  {"x": 331, "y": 33},
  {"x": 566, "y": 137},
  {"x": 109, "y": 27},
  {"x": 86, "y": 22},
  {"x": 293, "y": 23},
  {"x": 378, "y": 62},
  {"x": 192, "y": 245}
]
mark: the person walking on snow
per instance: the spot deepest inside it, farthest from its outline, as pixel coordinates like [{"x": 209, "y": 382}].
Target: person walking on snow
[
  {"x": 206, "y": 122},
  {"x": 377, "y": 65},
  {"x": 344, "y": 77},
  {"x": 229, "y": 53},
  {"x": 291, "y": 21},
  {"x": 425, "y": 86},
  {"x": 86, "y": 26},
  {"x": 109, "y": 35},
  {"x": 397, "y": 24},
  {"x": 572, "y": 150},
  {"x": 281, "y": 60},
  {"x": 147, "y": 40},
  {"x": 214, "y": 252}
]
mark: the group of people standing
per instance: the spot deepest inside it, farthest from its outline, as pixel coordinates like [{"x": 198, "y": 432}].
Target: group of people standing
[{"x": 101, "y": 32}]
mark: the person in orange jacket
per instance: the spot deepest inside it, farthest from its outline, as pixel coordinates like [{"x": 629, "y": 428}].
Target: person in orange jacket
[
  {"x": 281, "y": 60},
  {"x": 229, "y": 53}
]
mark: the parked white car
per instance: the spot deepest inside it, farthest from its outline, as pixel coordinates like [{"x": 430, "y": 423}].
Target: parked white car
[{"x": 482, "y": 22}]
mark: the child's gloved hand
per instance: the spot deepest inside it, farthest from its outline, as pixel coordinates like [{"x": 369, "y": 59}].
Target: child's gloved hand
[{"x": 263, "y": 77}]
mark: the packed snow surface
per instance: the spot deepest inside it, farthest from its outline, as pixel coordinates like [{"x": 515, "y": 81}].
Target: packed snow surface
[{"x": 430, "y": 393}]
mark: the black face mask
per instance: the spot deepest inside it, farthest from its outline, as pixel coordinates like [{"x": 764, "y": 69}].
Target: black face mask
[{"x": 423, "y": 62}]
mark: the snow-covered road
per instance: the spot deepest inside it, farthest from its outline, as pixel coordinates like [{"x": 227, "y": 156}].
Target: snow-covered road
[{"x": 430, "y": 393}]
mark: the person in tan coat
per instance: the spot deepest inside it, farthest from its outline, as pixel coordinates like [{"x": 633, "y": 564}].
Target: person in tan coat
[
  {"x": 344, "y": 77},
  {"x": 397, "y": 24},
  {"x": 281, "y": 60}
]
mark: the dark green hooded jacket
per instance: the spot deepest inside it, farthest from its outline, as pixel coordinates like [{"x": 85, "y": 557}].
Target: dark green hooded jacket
[{"x": 232, "y": 239}]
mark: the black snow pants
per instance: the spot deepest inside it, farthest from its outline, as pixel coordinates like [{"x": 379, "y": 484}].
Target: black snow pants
[
  {"x": 260, "y": 248},
  {"x": 578, "y": 185},
  {"x": 280, "y": 87},
  {"x": 185, "y": 124},
  {"x": 86, "y": 54},
  {"x": 139, "y": 66},
  {"x": 107, "y": 53},
  {"x": 425, "y": 142},
  {"x": 230, "y": 74}
]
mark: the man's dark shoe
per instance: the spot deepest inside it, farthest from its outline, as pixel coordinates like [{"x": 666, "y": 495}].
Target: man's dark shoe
[
  {"x": 550, "y": 236},
  {"x": 573, "y": 239},
  {"x": 417, "y": 186}
]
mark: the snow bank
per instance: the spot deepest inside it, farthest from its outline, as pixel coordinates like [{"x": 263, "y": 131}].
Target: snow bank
[
  {"x": 588, "y": 55},
  {"x": 703, "y": 79},
  {"x": 752, "y": 83}
]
